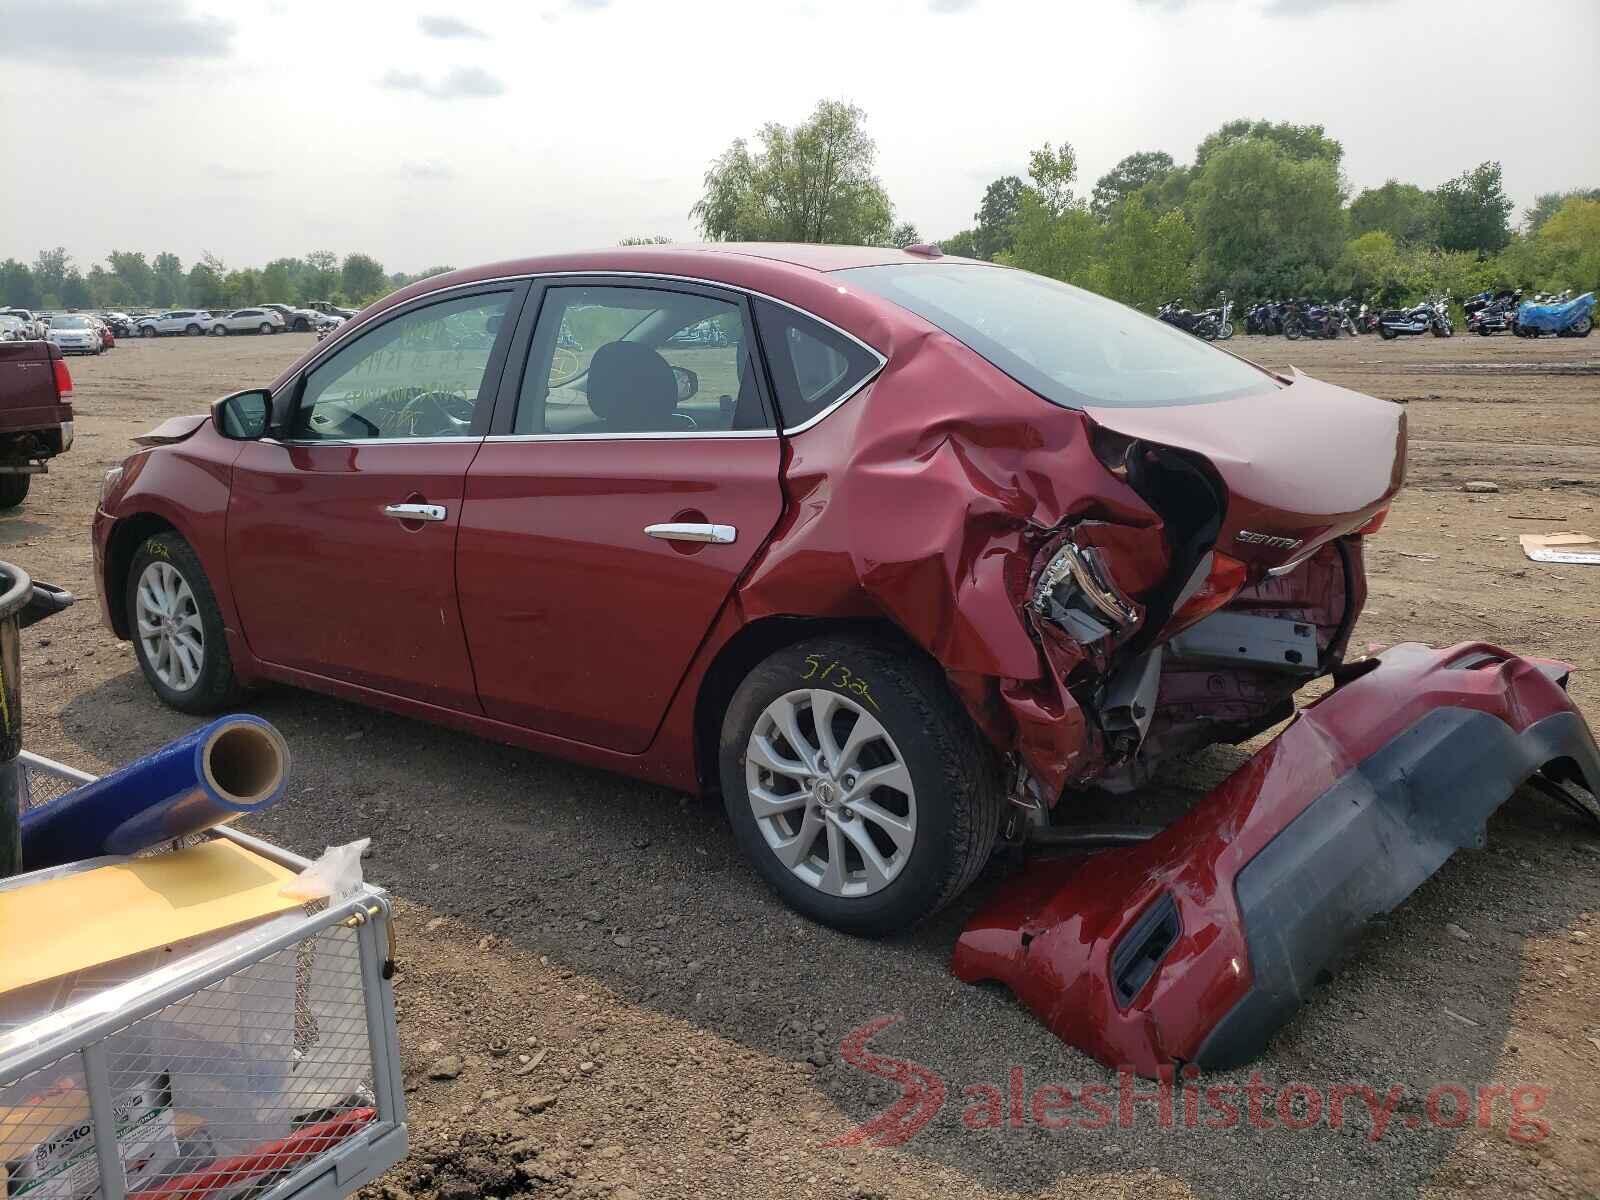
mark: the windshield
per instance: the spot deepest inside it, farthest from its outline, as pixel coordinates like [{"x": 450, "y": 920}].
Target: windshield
[
  {"x": 1072, "y": 347},
  {"x": 69, "y": 323}
]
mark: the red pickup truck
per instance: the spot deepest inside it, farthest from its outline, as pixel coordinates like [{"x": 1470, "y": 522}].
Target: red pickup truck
[{"x": 35, "y": 414}]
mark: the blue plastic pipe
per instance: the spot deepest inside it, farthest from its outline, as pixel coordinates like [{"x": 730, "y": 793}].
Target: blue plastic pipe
[{"x": 223, "y": 771}]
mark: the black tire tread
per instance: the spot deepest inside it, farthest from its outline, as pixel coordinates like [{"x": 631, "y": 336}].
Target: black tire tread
[{"x": 14, "y": 489}]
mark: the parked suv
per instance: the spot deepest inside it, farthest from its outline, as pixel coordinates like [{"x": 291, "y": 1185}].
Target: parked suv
[
  {"x": 301, "y": 320},
  {"x": 191, "y": 321},
  {"x": 249, "y": 320}
]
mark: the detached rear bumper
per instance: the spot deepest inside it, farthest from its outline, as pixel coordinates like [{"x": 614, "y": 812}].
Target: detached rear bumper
[{"x": 1197, "y": 945}]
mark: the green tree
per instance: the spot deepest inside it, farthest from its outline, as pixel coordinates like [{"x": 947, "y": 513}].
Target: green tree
[
  {"x": 18, "y": 288},
  {"x": 904, "y": 235},
  {"x": 50, "y": 272},
  {"x": 1054, "y": 233},
  {"x": 812, "y": 183},
  {"x": 1147, "y": 260},
  {"x": 1568, "y": 245},
  {"x": 963, "y": 244},
  {"x": 169, "y": 279},
  {"x": 320, "y": 279},
  {"x": 1299, "y": 142},
  {"x": 1373, "y": 268},
  {"x": 997, "y": 217},
  {"x": 1402, "y": 210},
  {"x": 279, "y": 280},
  {"x": 138, "y": 280},
  {"x": 75, "y": 289},
  {"x": 205, "y": 284},
  {"x": 1474, "y": 211},
  {"x": 1267, "y": 223},
  {"x": 1132, "y": 174},
  {"x": 362, "y": 279},
  {"x": 1547, "y": 204}
]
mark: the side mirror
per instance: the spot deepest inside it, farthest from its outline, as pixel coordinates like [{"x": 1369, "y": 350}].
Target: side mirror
[
  {"x": 688, "y": 382},
  {"x": 243, "y": 416}
]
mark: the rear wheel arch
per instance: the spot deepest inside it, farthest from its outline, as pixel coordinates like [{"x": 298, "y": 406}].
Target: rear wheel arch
[{"x": 745, "y": 651}]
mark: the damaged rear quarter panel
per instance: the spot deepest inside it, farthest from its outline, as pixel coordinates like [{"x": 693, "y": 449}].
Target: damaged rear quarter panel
[{"x": 925, "y": 500}]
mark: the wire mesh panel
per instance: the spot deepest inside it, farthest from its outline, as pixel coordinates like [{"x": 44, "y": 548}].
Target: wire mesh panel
[
  {"x": 47, "y": 1135},
  {"x": 265, "y": 1069},
  {"x": 43, "y": 786}
]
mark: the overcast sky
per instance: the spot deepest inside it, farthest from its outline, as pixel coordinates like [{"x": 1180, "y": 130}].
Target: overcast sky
[{"x": 429, "y": 133}]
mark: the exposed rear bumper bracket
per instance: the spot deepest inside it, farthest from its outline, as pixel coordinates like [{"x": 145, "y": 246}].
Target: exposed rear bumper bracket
[{"x": 1340, "y": 818}]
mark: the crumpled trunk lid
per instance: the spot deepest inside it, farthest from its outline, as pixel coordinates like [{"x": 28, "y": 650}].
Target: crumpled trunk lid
[{"x": 1301, "y": 465}]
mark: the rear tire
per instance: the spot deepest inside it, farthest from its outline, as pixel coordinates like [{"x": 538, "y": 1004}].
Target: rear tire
[
  {"x": 264, "y": 328},
  {"x": 14, "y": 489},
  {"x": 194, "y": 617},
  {"x": 1386, "y": 333},
  {"x": 193, "y": 331},
  {"x": 147, "y": 331},
  {"x": 220, "y": 330},
  {"x": 1292, "y": 329},
  {"x": 929, "y": 833}
]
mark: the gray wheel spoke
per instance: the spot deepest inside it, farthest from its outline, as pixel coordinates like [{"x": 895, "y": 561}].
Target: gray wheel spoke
[
  {"x": 877, "y": 871},
  {"x": 893, "y": 775},
  {"x": 865, "y": 730},
  {"x": 787, "y": 719},
  {"x": 823, "y": 706},
  {"x": 900, "y": 830},
  {"x": 763, "y": 754},
  {"x": 833, "y": 877},
  {"x": 793, "y": 851},
  {"x": 770, "y": 804},
  {"x": 168, "y": 625}
]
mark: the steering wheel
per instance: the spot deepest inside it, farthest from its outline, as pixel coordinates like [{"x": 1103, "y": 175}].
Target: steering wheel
[{"x": 434, "y": 410}]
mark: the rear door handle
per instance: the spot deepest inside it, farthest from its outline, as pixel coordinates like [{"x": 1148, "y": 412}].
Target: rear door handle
[
  {"x": 682, "y": 531},
  {"x": 416, "y": 512}
]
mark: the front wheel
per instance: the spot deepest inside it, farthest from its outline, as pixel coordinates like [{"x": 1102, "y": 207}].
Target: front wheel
[
  {"x": 148, "y": 331},
  {"x": 264, "y": 328},
  {"x": 1292, "y": 329},
  {"x": 220, "y": 330},
  {"x": 1224, "y": 331},
  {"x": 1386, "y": 333},
  {"x": 1582, "y": 327},
  {"x": 14, "y": 489},
  {"x": 176, "y": 627},
  {"x": 857, "y": 785},
  {"x": 193, "y": 331}
]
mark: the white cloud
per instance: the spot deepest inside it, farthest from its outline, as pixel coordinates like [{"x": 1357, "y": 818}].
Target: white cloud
[
  {"x": 109, "y": 36},
  {"x": 448, "y": 27},
  {"x": 459, "y": 83}
]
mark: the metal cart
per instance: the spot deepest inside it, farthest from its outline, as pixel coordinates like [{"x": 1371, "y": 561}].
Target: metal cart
[{"x": 260, "y": 1064}]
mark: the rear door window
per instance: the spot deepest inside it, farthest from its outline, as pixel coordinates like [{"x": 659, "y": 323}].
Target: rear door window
[{"x": 813, "y": 366}]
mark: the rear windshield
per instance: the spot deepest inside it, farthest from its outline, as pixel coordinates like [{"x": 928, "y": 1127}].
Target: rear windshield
[{"x": 1074, "y": 348}]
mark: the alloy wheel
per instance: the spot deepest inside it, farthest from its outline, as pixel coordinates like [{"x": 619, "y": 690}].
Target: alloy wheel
[
  {"x": 169, "y": 627},
  {"x": 831, "y": 793}
]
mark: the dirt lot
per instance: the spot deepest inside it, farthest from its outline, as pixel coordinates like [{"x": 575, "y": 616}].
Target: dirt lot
[{"x": 682, "y": 1031}]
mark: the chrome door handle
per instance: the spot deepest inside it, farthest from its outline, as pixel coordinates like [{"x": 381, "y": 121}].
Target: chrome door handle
[
  {"x": 681, "y": 531},
  {"x": 416, "y": 512}
]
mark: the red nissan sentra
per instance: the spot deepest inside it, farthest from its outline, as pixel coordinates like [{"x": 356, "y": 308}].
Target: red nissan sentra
[{"x": 892, "y": 549}]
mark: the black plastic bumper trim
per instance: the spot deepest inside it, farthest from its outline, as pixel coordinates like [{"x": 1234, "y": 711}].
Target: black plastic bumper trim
[{"x": 1367, "y": 843}]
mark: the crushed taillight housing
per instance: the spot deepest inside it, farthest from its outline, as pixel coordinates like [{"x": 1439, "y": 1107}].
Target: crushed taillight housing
[
  {"x": 63, "y": 378},
  {"x": 1222, "y": 583},
  {"x": 1375, "y": 524}
]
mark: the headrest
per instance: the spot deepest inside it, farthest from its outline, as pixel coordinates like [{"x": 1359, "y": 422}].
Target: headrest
[{"x": 632, "y": 386}]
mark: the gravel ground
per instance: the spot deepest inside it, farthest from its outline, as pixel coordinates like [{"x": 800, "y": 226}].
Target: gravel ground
[{"x": 597, "y": 998}]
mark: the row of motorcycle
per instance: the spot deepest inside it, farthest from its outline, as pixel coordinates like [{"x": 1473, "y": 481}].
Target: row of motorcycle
[
  {"x": 1506, "y": 311},
  {"x": 1302, "y": 318}
]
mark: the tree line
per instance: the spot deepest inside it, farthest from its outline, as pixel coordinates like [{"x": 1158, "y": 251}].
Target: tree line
[
  {"x": 1263, "y": 210},
  {"x": 127, "y": 279}
]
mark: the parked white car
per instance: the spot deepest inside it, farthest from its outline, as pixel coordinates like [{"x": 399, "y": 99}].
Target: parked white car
[
  {"x": 32, "y": 327},
  {"x": 12, "y": 329},
  {"x": 75, "y": 334},
  {"x": 249, "y": 320},
  {"x": 192, "y": 321}
]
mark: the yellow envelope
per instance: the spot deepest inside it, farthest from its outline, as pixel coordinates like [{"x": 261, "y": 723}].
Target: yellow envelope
[{"x": 63, "y": 925}]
